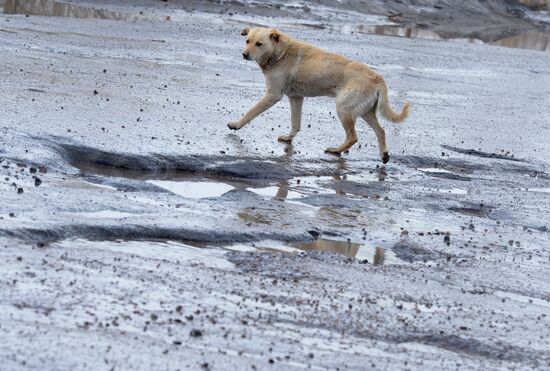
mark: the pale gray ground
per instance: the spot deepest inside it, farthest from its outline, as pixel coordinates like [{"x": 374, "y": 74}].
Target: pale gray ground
[{"x": 102, "y": 266}]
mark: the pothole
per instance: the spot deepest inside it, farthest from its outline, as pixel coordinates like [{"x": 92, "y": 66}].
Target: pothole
[{"x": 362, "y": 253}]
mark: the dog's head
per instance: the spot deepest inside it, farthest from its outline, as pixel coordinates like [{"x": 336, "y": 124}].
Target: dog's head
[{"x": 261, "y": 43}]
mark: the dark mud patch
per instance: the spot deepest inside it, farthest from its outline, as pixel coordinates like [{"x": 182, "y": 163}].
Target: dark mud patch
[
  {"x": 95, "y": 161},
  {"x": 450, "y": 176},
  {"x": 473, "y": 347},
  {"x": 450, "y": 164},
  {"x": 371, "y": 189},
  {"x": 410, "y": 251},
  {"x": 479, "y": 153},
  {"x": 144, "y": 232},
  {"x": 477, "y": 210}
]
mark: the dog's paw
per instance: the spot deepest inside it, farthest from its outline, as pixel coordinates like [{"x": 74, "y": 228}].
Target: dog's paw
[
  {"x": 332, "y": 151},
  {"x": 234, "y": 126},
  {"x": 285, "y": 138},
  {"x": 385, "y": 157}
]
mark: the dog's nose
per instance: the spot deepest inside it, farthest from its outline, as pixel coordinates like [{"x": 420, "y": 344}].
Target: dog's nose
[{"x": 245, "y": 55}]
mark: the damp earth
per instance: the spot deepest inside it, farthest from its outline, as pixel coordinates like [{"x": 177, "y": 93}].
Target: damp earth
[{"x": 137, "y": 232}]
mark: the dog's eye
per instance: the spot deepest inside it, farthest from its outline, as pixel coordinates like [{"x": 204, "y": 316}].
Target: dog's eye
[
  {"x": 247, "y": 41},
  {"x": 259, "y": 44}
]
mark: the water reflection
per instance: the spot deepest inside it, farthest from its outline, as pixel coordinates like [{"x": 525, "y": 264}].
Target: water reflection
[
  {"x": 375, "y": 256},
  {"x": 51, "y": 8},
  {"x": 189, "y": 189},
  {"x": 528, "y": 40},
  {"x": 341, "y": 247},
  {"x": 251, "y": 215}
]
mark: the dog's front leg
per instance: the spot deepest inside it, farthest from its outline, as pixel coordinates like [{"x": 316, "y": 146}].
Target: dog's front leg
[
  {"x": 295, "y": 118},
  {"x": 268, "y": 101}
]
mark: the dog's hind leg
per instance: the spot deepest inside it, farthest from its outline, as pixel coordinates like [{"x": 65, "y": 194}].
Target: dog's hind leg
[
  {"x": 348, "y": 122},
  {"x": 295, "y": 118},
  {"x": 370, "y": 118}
]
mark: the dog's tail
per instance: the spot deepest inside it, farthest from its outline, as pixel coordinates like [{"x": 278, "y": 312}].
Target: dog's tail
[{"x": 385, "y": 109}]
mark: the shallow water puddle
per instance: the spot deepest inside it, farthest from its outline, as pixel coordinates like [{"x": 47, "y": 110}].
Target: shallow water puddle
[
  {"x": 193, "y": 189},
  {"x": 281, "y": 193},
  {"x": 528, "y": 40},
  {"x": 52, "y": 8},
  {"x": 363, "y": 253},
  {"x": 373, "y": 255},
  {"x": 386, "y": 30}
]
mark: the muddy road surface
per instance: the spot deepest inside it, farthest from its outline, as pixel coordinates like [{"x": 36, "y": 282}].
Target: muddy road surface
[{"x": 138, "y": 232}]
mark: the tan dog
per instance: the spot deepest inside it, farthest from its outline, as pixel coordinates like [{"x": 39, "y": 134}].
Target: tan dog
[{"x": 299, "y": 70}]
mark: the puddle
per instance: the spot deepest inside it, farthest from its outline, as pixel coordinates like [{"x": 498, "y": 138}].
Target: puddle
[
  {"x": 527, "y": 40},
  {"x": 281, "y": 193},
  {"x": 193, "y": 189},
  {"x": 252, "y": 216},
  {"x": 373, "y": 255},
  {"x": 181, "y": 183},
  {"x": 52, "y": 8},
  {"x": 386, "y": 30},
  {"x": 376, "y": 255}
]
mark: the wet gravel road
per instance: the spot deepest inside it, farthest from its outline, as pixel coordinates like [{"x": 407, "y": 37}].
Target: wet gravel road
[{"x": 138, "y": 232}]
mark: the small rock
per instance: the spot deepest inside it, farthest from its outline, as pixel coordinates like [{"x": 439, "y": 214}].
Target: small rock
[
  {"x": 195, "y": 333},
  {"x": 315, "y": 234}
]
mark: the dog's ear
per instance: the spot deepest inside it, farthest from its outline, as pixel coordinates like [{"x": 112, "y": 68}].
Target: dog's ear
[
  {"x": 275, "y": 35},
  {"x": 244, "y": 32}
]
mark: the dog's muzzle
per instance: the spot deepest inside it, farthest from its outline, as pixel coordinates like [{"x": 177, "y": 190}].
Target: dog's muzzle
[{"x": 246, "y": 56}]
